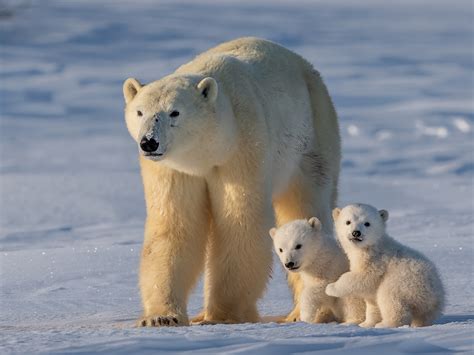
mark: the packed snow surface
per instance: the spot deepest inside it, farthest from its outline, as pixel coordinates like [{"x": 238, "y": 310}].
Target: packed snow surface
[{"x": 72, "y": 208}]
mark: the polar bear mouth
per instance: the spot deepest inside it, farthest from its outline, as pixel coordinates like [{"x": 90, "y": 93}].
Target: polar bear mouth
[
  {"x": 152, "y": 154},
  {"x": 293, "y": 268},
  {"x": 356, "y": 239}
]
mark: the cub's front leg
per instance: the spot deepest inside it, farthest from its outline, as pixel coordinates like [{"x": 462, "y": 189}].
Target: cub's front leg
[
  {"x": 345, "y": 285},
  {"x": 315, "y": 305},
  {"x": 354, "y": 284}
]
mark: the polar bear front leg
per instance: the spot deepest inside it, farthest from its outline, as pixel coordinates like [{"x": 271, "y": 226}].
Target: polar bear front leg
[
  {"x": 309, "y": 304},
  {"x": 372, "y": 316},
  {"x": 315, "y": 305},
  {"x": 175, "y": 239},
  {"x": 353, "y": 284},
  {"x": 239, "y": 255}
]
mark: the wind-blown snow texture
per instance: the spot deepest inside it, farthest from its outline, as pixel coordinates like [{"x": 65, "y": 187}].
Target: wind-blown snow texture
[{"x": 72, "y": 209}]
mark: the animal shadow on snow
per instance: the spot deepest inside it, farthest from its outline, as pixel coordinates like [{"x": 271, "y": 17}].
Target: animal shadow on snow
[{"x": 455, "y": 318}]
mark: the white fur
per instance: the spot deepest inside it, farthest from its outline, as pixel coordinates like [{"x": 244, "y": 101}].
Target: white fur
[
  {"x": 400, "y": 285},
  {"x": 319, "y": 260}
]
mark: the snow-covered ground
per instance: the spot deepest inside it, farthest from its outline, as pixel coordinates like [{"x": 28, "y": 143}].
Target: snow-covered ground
[{"x": 72, "y": 209}]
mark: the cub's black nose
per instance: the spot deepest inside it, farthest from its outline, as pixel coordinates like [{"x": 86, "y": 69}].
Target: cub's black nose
[
  {"x": 290, "y": 264},
  {"x": 149, "y": 145},
  {"x": 356, "y": 234}
]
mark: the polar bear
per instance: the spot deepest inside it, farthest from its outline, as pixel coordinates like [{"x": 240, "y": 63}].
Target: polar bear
[
  {"x": 303, "y": 247},
  {"x": 241, "y": 136},
  {"x": 400, "y": 285}
]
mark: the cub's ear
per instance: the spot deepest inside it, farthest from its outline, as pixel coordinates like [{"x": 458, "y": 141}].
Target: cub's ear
[
  {"x": 384, "y": 215},
  {"x": 272, "y": 232},
  {"x": 335, "y": 213},
  {"x": 315, "y": 223},
  {"x": 131, "y": 86},
  {"x": 208, "y": 88}
]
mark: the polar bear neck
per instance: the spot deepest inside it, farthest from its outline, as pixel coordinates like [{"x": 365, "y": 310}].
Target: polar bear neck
[{"x": 360, "y": 258}]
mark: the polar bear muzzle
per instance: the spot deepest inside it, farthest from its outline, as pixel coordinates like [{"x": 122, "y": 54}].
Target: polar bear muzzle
[
  {"x": 149, "y": 145},
  {"x": 153, "y": 137}
]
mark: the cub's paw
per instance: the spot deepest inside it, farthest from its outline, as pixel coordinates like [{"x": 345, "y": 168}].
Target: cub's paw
[
  {"x": 162, "y": 321},
  {"x": 331, "y": 290}
]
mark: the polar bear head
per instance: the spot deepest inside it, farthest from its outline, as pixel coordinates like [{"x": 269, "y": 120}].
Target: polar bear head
[
  {"x": 182, "y": 121},
  {"x": 297, "y": 242},
  {"x": 359, "y": 225}
]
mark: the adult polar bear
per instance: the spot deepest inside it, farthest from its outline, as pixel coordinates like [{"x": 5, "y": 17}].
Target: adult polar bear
[{"x": 243, "y": 136}]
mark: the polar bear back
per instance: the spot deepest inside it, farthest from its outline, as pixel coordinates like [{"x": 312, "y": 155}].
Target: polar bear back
[
  {"x": 271, "y": 100},
  {"x": 414, "y": 277}
]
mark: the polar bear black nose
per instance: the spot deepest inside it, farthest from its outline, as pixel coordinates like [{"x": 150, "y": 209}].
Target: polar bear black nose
[
  {"x": 290, "y": 264},
  {"x": 149, "y": 145},
  {"x": 356, "y": 234}
]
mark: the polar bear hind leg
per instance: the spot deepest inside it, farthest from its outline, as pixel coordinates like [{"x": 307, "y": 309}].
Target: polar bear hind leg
[{"x": 394, "y": 311}]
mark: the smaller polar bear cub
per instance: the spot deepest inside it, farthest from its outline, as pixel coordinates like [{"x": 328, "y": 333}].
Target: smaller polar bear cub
[
  {"x": 400, "y": 285},
  {"x": 303, "y": 247}
]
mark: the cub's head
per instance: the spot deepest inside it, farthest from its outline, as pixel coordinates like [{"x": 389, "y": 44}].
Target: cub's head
[
  {"x": 359, "y": 225},
  {"x": 177, "y": 120},
  {"x": 297, "y": 242}
]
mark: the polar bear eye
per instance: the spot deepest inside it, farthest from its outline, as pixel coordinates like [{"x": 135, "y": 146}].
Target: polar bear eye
[
  {"x": 281, "y": 250},
  {"x": 139, "y": 113},
  {"x": 298, "y": 246},
  {"x": 367, "y": 224},
  {"x": 174, "y": 114},
  {"x": 348, "y": 222}
]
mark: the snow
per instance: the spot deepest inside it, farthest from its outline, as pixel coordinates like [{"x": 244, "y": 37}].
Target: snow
[{"x": 72, "y": 207}]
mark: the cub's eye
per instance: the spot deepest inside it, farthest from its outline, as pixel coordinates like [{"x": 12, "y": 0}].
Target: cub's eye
[
  {"x": 281, "y": 250},
  {"x": 367, "y": 224},
  {"x": 139, "y": 113},
  {"x": 348, "y": 222},
  {"x": 298, "y": 246},
  {"x": 174, "y": 114}
]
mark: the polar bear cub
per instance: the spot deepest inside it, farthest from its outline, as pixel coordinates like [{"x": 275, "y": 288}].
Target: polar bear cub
[
  {"x": 400, "y": 285},
  {"x": 303, "y": 247}
]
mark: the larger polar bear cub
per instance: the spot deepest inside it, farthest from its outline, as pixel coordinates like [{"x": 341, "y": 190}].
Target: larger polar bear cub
[
  {"x": 243, "y": 135},
  {"x": 400, "y": 285}
]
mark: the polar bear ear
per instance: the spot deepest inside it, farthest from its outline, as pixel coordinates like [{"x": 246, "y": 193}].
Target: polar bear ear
[
  {"x": 272, "y": 232},
  {"x": 208, "y": 88},
  {"x": 335, "y": 213},
  {"x": 314, "y": 223},
  {"x": 384, "y": 215},
  {"x": 131, "y": 86}
]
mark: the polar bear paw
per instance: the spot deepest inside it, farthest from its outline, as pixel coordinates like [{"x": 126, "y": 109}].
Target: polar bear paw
[
  {"x": 367, "y": 324},
  {"x": 198, "y": 319},
  {"x": 161, "y": 321}
]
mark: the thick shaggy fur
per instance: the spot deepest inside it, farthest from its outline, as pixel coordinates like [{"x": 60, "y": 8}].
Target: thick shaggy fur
[
  {"x": 304, "y": 248},
  {"x": 400, "y": 285},
  {"x": 255, "y": 139}
]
